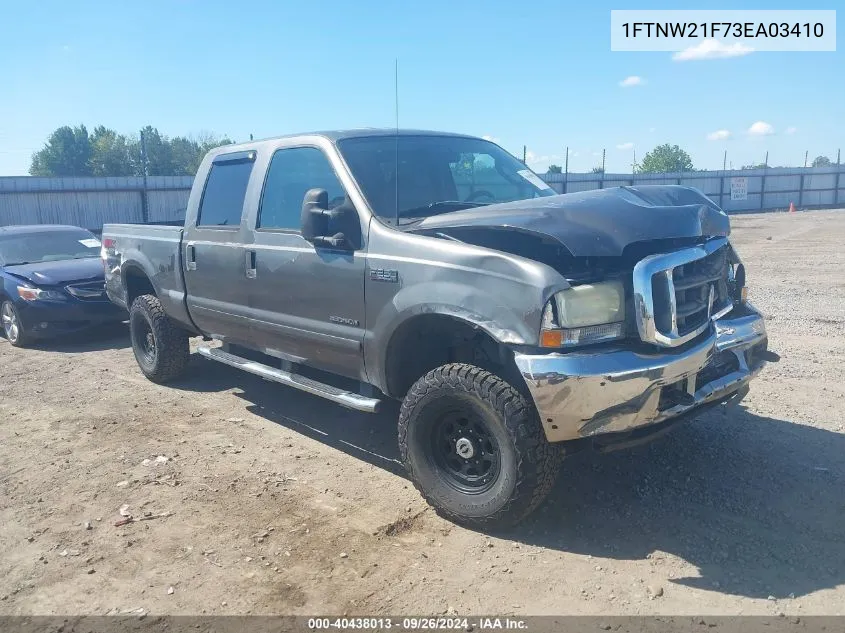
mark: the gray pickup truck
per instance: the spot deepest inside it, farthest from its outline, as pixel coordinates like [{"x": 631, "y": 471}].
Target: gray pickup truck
[{"x": 514, "y": 324}]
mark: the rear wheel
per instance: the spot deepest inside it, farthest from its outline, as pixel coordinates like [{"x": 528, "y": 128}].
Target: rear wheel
[
  {"x": 160, "y": 346},
  {"x": 12, "y": 325},
  {"x": 474, "y": 447}
]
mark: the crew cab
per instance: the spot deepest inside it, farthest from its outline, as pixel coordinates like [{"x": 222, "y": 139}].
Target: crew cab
[{"x": 513, "y": 323}]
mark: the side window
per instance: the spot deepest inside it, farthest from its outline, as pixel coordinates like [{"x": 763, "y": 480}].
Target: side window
[
  {"x": 223, "y": 199},
  {"x": 293, "y": 172}
]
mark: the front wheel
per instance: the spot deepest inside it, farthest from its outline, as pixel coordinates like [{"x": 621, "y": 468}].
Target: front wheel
[
  {"x": 12, "y": 325},
  {"x": 474, "y": 447},
  {"x": 160, "y": 346}
]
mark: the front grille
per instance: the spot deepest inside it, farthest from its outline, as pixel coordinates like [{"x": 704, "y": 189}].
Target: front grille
[
  {"x": 701, "y": 290},
  {"x": 677, "y": 294},
  {"x": 88, "y": 291}
]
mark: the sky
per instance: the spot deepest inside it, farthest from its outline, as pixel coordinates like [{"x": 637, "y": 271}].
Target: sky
[{"x": 539, "y": 75}]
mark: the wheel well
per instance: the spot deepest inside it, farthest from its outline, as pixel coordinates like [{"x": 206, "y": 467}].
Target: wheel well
[
  {"x": 428, "y": 341},
  {"x": 136, "y": 283}
]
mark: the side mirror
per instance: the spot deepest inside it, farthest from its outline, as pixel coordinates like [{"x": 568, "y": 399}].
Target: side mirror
[
  {"x": 314, "y": 220},
  {"x": 318, "y": 222}
]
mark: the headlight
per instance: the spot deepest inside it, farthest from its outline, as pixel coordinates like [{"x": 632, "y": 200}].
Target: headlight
[
  {"x": 591, "y": 313},
  {"x": 38, "y": 294}
]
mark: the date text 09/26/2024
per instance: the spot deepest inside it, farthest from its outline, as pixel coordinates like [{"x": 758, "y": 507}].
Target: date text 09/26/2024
[{"x": 417, "y": 624}]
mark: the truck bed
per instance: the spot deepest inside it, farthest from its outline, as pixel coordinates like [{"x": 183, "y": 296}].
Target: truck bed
[{"x": 155, "y": 252}]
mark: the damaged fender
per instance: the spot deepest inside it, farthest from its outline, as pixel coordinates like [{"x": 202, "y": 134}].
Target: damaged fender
[{"x": 411, "y": 275}]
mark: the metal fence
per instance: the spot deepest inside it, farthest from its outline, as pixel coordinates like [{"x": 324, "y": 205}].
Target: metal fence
[
  {"x": 741, "y": 190},
  {"x": 92, "y": 202}
]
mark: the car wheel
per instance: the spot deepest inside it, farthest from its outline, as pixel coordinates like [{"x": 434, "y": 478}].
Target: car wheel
[
  {"x": 474, "y": 447},
  {"x": 160, "y": 346},
  {"x": 13, "y": 327}
]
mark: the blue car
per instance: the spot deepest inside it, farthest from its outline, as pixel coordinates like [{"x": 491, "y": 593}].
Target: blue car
[{"x": 53, "y": 282}]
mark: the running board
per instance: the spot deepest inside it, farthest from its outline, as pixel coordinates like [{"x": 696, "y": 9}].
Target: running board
[{"x": 340, "y": 396}]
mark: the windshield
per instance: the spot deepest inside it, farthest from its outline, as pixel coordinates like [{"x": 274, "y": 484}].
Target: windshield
[
  {"x": 47, "y": 246},
  {"x": 437, "y": 174}
]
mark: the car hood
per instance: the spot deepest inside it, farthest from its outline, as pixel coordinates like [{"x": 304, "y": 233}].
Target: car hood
[
  {"x": 600, "y": 222},
  {"x": 59, "y": 272}
]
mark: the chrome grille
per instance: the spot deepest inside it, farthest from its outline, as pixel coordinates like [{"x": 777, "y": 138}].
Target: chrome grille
[
  {"x": 88, "y": 291},
  {"x": 676, "y": 295}
]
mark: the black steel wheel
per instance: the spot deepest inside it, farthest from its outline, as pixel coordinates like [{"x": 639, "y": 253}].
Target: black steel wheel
[{"x": 466, "y": 451}]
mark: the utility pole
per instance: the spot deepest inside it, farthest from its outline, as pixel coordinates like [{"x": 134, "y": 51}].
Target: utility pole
[
  {"x": 145, "y": 207},
  {"x": 566, "y": 172},
  {"x": 806, "y": 155},
  {"x": 725, "y": 161},
  {"x": 634, "y": 164},
  {"x": 603, "y": 153},
  {"x": 524, "y": 155},
  {"x": 763, "y": 180}
]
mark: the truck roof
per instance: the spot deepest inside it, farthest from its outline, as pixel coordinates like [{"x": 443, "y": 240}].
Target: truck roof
[{"x": 338, "y": 135}]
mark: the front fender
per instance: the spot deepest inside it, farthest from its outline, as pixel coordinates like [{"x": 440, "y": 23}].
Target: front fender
[{"x": 410, "y": 275}]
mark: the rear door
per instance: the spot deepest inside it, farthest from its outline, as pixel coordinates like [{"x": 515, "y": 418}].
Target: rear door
[{"x": 213, "y": 250}]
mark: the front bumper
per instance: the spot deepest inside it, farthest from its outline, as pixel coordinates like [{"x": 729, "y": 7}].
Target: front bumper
[
  {"x": 53, "y": 318},
  {"x": 590, "y": 393}
]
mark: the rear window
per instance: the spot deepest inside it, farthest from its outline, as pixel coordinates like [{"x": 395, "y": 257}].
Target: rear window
[{"x": 223, "y": 199}]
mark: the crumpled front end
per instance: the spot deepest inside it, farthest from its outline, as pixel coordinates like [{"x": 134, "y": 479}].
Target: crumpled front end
[{"x": 590, "y": 393}]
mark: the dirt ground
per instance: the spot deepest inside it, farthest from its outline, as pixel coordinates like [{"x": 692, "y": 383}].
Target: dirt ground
[{"x": 283, "y": 503}]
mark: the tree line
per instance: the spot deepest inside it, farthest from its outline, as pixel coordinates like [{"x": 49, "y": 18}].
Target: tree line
[{"x": 73, "y": 151}]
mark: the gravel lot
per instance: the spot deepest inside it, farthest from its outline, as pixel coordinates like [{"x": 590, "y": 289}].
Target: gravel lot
[{"x": 283, "y": 503}]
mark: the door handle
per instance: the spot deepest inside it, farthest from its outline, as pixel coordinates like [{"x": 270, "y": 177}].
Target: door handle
[
  {"x": 190, "y": 257},
  {"x": 251, "y": 270}
]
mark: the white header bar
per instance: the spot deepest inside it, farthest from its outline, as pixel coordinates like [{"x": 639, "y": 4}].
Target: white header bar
[{"x": 722, "y": 33}]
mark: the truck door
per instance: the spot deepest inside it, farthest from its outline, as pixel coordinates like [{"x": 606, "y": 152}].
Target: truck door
[
  {"x": 306, "y": 302},
  {"x": 213, "y": 250}
]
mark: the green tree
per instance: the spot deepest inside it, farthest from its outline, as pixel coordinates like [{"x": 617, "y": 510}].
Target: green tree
[
  {"x": 597, "y": 170},
  {"x": 109, "y": 153},
  {"x": 186, "y": 155},
  {"x": 73, "y": 152},
  {"x": 821, "y": 161},
  {"x": 555, "y": 169},
  {"x": 66, "y": 153},
  {"x": 159, "y": 154},
  {"x": 208, "y": 141},
  {"x": 666, "y": 158}
]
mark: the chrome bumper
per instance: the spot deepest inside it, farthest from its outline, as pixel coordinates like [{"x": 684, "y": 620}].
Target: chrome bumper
[{"x": 589, "y": 393}]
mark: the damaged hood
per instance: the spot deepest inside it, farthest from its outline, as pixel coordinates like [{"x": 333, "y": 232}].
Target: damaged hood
[{"x": 600, "y": 222}]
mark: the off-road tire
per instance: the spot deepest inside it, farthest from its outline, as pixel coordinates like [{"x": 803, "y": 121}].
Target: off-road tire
[
  {"x": 528, "y": 463},
  {"x": 170, "y": 353}
]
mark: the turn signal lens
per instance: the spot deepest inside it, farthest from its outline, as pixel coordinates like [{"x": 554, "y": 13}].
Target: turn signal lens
[
  {"x": 743, "y": 294},
  {"x": 582, "y": 335},
  {"x": 551, "y": 338}
]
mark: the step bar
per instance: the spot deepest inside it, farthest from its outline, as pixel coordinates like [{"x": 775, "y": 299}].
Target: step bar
[{"x": 340, "y": 396}]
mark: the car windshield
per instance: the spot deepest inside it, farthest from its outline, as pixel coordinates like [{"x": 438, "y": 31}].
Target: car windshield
[
  {"x": 437, "y": 174},
  {"x": 47, "y": 246}
]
